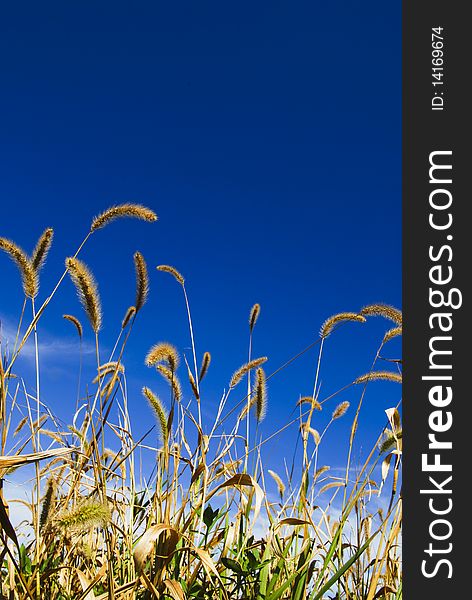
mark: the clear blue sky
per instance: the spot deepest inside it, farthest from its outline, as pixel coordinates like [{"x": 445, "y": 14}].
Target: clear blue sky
[{"x": 266, "y": 135}]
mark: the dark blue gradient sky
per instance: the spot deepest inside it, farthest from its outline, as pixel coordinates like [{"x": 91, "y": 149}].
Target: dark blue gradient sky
[{"x": 266, "y": 135}]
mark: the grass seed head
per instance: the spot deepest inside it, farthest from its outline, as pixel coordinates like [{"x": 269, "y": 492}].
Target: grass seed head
[
  {"x": 42, "y": 248},
  {"x": 163, "y": 353},
  {"x": 29, "y": 276},
  {"x": 340, "y": 410},
  {"x": 87, "y": 291},
  {"x": 142, "y": 281},
  {"x": 254, "y": 315},
  {"x": 239, "y": 374},
  {"x": 159, "y": 412},
  {"x": 206, "y": 360},
  {"x": 77, "y": 324},
  {"x": 136, "y": 211},
  {"x": 330, "y": 323},
  {"x": 173, "y": 272},
  {"x": 129, "y": 314},
  {"x": 383, "y": 310},
  {"x": 379, "y": 376}
]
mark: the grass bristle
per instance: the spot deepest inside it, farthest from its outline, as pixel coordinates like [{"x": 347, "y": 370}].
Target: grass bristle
[{"x": 278, "y": 481}]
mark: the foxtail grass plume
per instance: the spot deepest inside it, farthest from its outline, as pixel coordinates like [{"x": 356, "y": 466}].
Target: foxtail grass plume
[
  {"x": 163, "y": 353},
  {"x": 391, "y": 333},
  {"x": 77, "y": 324},
  {"x": 239, "y": 374},
  {"x": 311, "y": 401},
  {"x": 253, "y": 316},
  {"x": 172, "y": 379},
  {"x": 87, "y": 291},
  {"x": 206, "y": 360},
  {"x": 142, "y": 281},
  {"x": 84, "y": 517},
  {"x": 48, "y": 501},
  {"x": 193, "y": 384},
  {"x": 160, "y": 413},
  {"x": 383, "y": 310},
  {"x": 389, "y": 440},
  {"x": 129, "y": 314},
  {"x": 173, "y": 272},
  {"x": 260, "y": 394},
  {"x": 41, "y": 251},
  {"x": 136, "y": 211},
  {"x": 306, "y": 429},
  {"x": 278, "y": 481},
  {"x": 378, "y": 376},
  {"x": 330, "y": 323},
  {"x": 340, "y": 410},
  {"x": 29, "y": 276}
]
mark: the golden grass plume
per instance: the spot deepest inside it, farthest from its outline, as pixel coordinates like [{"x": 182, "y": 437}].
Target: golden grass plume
[
  {"x": 77, "y": 324},
  {"x": 392, "y": 333},
  {"x": 278, "y": 481},
  {"x": 173, "y": 272},
  {"x": 206, "y": 360},
  {"x": 42, "y": 248},
  {"x": 383, "y": 310},
  {"x": 128, "y": 315},
  {"x": 87, "y": 291},
  {"x": 330, "y": 323},
  {"x": 142, "y": 281},
  {"x": 378, "y": 376},
  {"x": 340, "y": 410},
  {"x": 260, "y": 394},
  {"x": 163, "y": 352},
  {"x": 29, "y": 276},
  {"x": 239, "y": 374},
  {"x": 160, "y": 413},
  {"x": 254, "y": 315},
  {"x": 84, "y": 517},
  {"x": 136, "y": 211}
]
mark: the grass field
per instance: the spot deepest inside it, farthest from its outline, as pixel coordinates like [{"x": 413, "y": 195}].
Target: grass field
[{"x": 210, "y": 520}]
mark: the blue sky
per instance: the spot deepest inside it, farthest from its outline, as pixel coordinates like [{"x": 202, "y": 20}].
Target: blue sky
[{"x": 267, "y": 138}]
